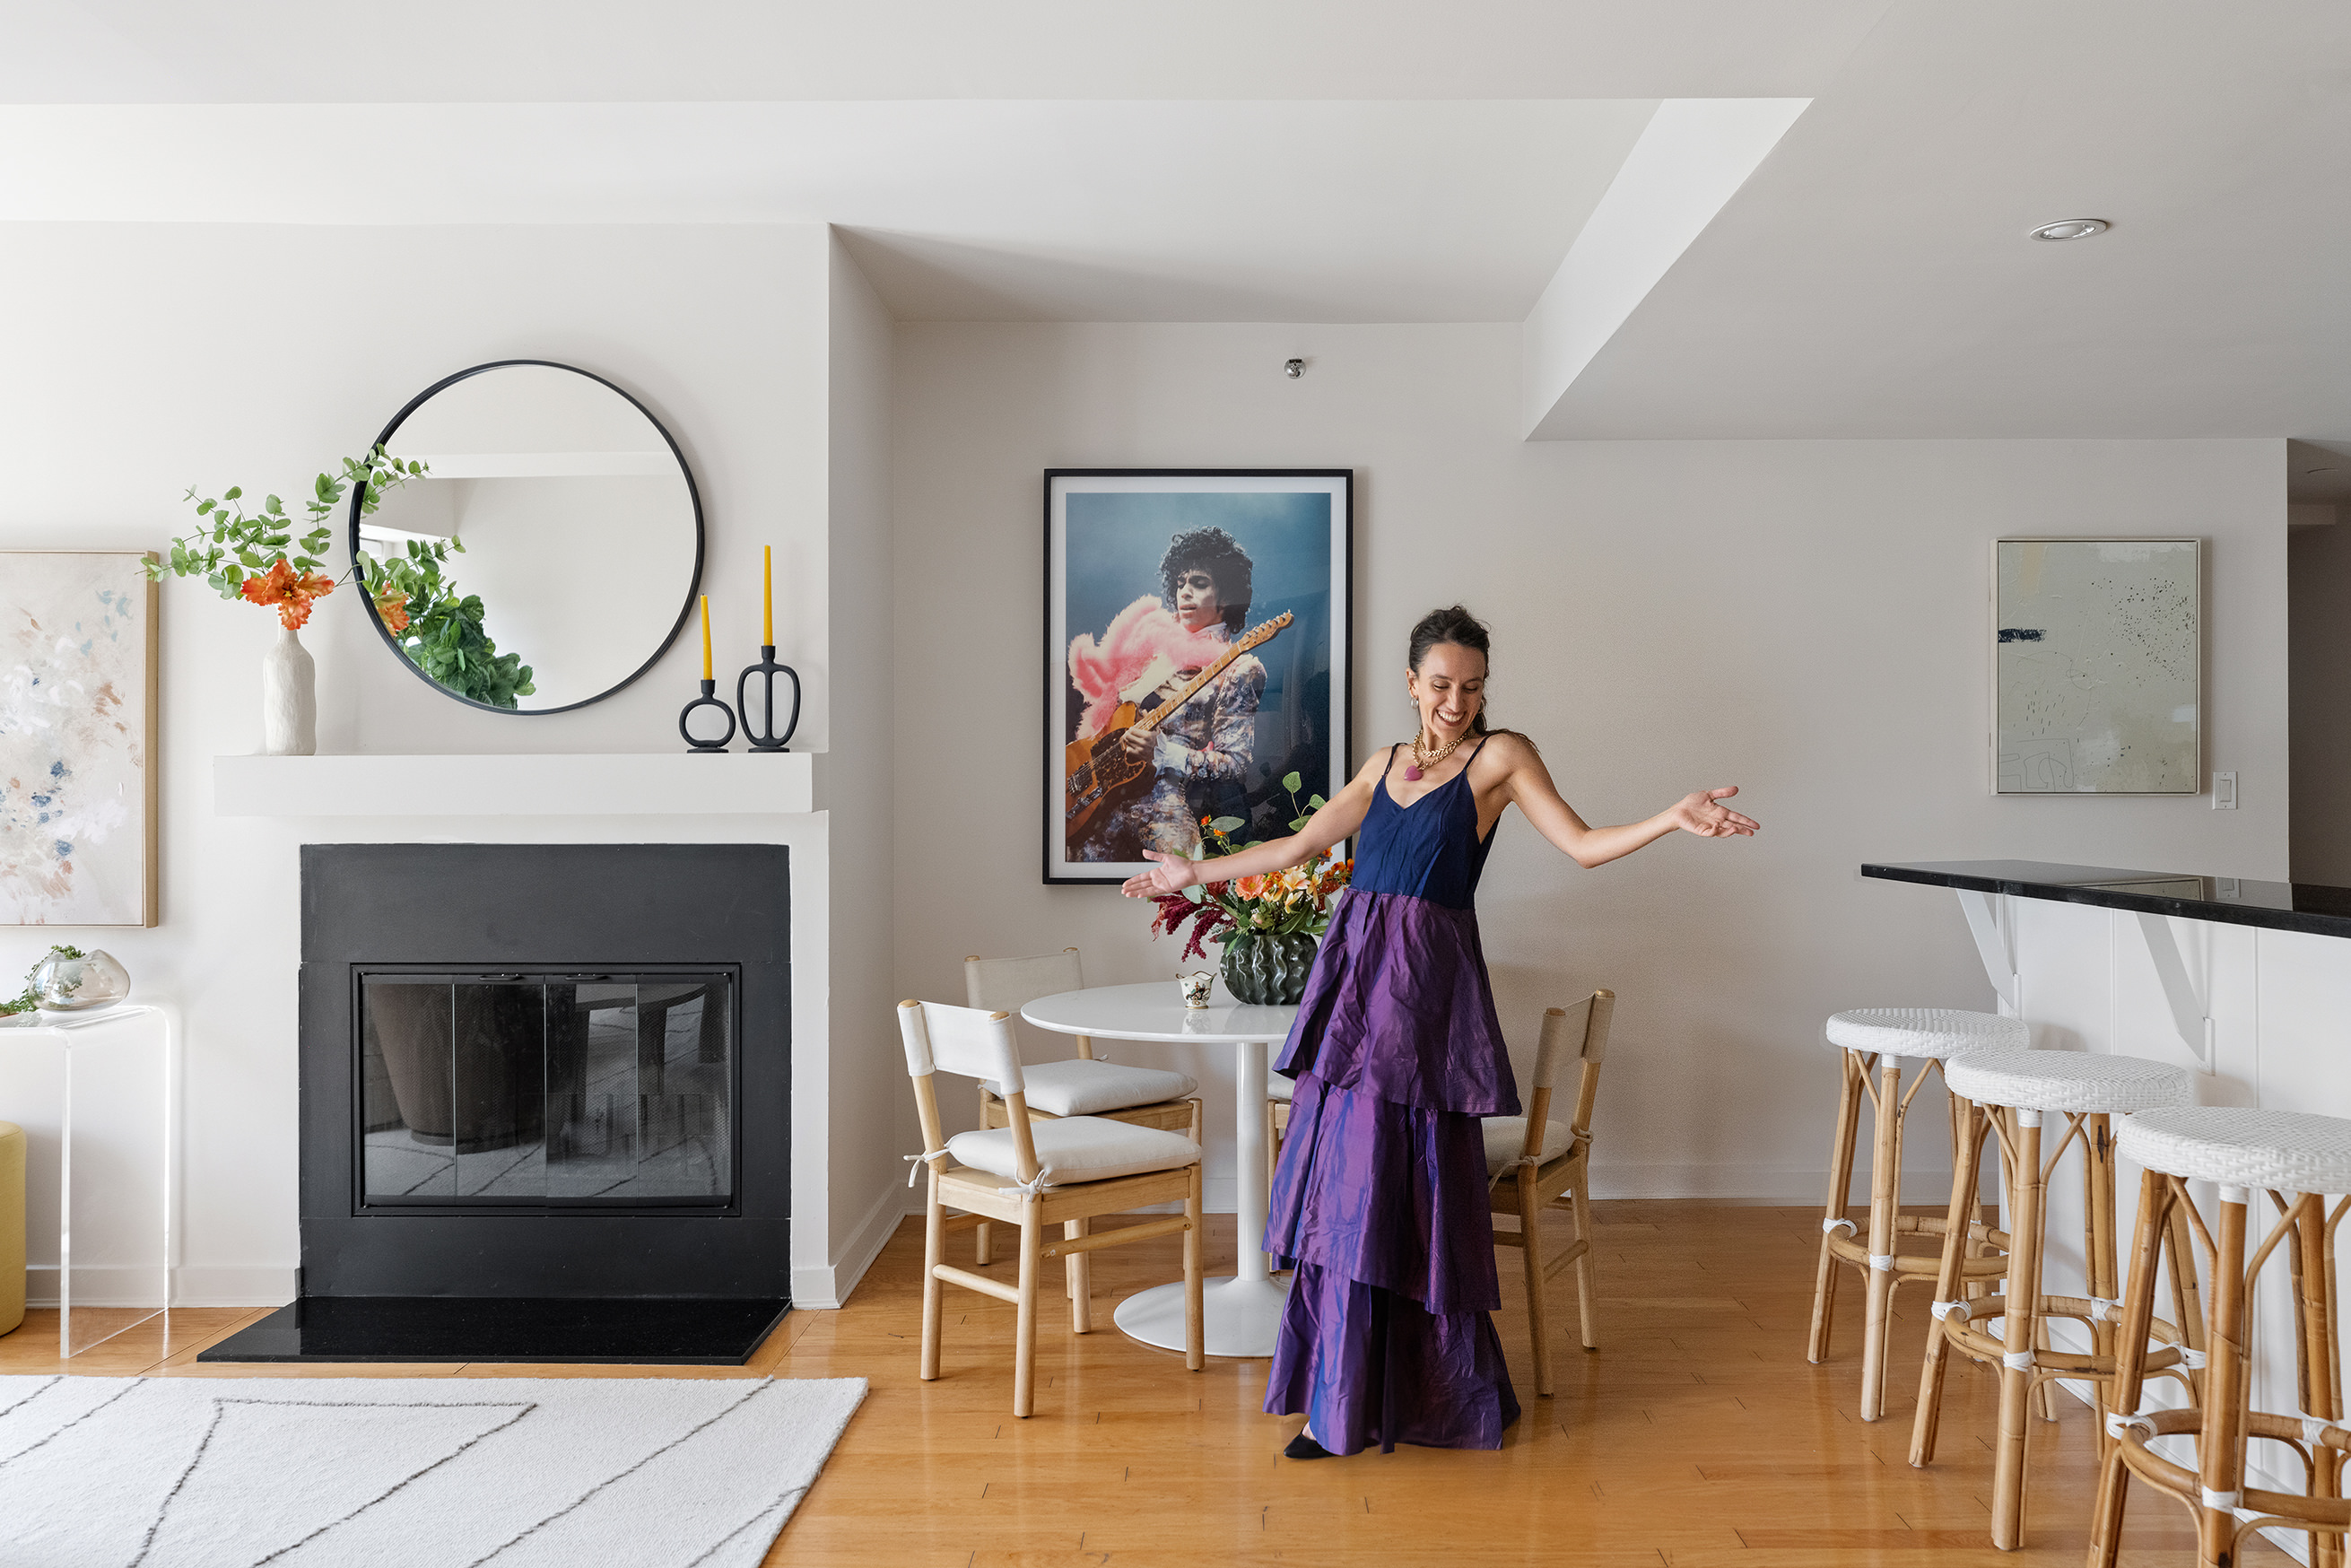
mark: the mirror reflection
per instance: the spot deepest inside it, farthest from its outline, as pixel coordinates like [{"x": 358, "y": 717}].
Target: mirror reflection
[{"x": 548, "y": 553}]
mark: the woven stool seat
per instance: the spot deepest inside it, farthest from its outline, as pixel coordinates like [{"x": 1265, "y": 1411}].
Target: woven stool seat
[
  {"x": 2291, "y": 1151},
  {"x": 2067, "y": 1081},
  {"x": 1920, "y": 1032}
]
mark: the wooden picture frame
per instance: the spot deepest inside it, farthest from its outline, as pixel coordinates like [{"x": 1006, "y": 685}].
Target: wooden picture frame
[
  {"x": 1232, "y": 697},
  {"x": 2098, "y": 657},
  {"x": 78, "y": 726}
]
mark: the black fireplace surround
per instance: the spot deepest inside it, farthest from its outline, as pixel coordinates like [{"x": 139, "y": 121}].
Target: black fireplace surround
[{"x": 546, "y": 1101}]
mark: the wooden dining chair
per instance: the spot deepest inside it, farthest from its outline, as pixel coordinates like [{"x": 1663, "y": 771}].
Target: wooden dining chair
[
  {"x": 1536, "y": 1165},
  {"x": 1082, "y": 1085},
  {"x": 1033, "y": 1174}
]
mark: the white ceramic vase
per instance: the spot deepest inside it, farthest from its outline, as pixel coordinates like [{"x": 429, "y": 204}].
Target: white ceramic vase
[{"x": 290, "y": 698}]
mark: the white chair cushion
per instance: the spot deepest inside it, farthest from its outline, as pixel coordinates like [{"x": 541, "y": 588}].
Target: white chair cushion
[
  {"x": 2065, "y": 1081},
  {"x": 1277, "y": 1087},
  {"x": 1506, "y": 1136},
  {"x": 1926, "y": 1031},
  {"x": 1077, "y": 1149},
  {"x": 2291, "y": 1151},
  {"x": 1079, "y": 1087}
]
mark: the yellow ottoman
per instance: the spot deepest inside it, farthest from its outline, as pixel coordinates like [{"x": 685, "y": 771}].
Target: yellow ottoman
[{"x": 12, "y": 1226}]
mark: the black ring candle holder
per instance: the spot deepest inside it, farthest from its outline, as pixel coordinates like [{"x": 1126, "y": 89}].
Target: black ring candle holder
[
  {"x": 768, "y": 740},
  {"x": 705, "y": 700}
]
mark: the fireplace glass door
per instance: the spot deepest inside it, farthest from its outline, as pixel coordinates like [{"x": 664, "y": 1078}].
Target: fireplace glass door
[{"x": 539, "y": 1091}]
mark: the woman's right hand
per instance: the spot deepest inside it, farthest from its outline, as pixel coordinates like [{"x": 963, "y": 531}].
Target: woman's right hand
[{"x": 1169, "y": 874}]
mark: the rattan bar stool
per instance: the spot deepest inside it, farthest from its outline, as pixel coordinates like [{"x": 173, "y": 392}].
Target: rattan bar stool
[
  {"x": 2010, "y": 1093},
  {"x": 1874, "y": 1040},
  {"x": 2297, "y": 1160}
]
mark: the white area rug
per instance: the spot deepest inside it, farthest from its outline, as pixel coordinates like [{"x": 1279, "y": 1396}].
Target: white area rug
[{"x": 194, "y": 1472}]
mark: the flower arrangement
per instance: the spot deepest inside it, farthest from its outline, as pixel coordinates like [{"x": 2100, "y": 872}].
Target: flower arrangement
[
  {"x": 439, "y": 629},
  {"x": 1233, "y": 914},
  {"x": 232, "y": 550}
]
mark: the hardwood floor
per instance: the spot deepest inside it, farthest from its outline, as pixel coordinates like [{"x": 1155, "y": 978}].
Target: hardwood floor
[{"x": 1696, "y": 1437}]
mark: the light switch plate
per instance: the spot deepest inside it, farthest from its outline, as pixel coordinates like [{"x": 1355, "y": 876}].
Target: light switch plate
[{"x": 2224, "y": 791}]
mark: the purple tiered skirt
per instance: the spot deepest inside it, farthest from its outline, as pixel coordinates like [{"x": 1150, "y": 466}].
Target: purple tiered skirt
[{"x": 1380, "y": 1201}]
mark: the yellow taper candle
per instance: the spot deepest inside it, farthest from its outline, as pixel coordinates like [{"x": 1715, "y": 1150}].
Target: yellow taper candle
[
  {"x": 706, "y": 637},
  {"x": 768, "y": 594}
]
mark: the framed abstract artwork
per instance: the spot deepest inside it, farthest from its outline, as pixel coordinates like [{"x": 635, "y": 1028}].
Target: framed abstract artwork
[
  {"x": 2097, "y": 659},
  {"x": 1198, "y": 636},
  {"x": 78, "y": 724}
]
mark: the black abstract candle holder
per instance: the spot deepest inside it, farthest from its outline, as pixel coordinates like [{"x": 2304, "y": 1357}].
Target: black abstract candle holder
[
  {"x": 768, "y": 740},
  {"x": 705, "y": 700}
]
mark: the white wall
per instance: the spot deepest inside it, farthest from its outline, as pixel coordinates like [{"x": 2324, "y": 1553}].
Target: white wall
[
  {"x": 1803, "y": 619},
  {"x": 141, "y": 360},
  {"x": 868, "y": 1074}
]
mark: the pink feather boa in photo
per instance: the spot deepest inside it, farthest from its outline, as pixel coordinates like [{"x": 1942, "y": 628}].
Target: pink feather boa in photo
[{"x": 1139, "y": 634}]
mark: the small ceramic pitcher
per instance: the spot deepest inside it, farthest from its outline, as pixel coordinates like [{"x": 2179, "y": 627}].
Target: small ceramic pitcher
[{"x": 1195, "y": 987}]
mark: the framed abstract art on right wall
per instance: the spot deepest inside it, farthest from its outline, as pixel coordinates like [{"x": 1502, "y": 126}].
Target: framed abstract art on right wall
[{"x": 2098, "y": 660}]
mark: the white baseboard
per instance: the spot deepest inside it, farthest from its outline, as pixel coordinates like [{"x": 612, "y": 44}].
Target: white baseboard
[
  {"x": 1775, "y": 1185},
  {"x": 133, "y": 1285},
  {"x": 826, "y": 1288}
]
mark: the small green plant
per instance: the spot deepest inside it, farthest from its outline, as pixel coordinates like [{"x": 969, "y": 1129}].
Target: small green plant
[
  {"x": 29, "y": 1002},
  {"x": 258, "y": 558}
]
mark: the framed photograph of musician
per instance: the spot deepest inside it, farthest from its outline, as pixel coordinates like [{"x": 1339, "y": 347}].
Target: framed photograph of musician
[{"x": 1198, "y": 650}]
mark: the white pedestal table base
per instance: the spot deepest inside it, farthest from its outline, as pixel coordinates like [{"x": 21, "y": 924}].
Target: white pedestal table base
[{"x": 1241, "y": 1315}]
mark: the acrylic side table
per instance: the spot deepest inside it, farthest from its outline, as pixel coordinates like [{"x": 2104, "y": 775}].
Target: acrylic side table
[
  {"x": 79, "y": 1035},
  {"x": 1243, "y": 1312}
]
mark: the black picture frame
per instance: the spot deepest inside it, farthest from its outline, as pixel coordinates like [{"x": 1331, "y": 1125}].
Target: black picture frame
[{"x": 1301, "y": 559}]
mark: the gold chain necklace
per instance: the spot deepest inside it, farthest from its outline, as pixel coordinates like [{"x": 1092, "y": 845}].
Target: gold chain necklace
[{"x": 1422, "y": 761}]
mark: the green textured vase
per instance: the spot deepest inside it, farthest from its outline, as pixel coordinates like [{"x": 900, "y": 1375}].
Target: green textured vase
[{"x": 1270, "y": 970}]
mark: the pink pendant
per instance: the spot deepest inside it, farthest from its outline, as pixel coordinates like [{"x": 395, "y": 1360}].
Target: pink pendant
[{"x": 1412, "y": 772}]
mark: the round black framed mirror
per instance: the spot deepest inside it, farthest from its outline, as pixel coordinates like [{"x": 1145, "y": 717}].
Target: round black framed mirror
[{"x": 549, "y": 552}]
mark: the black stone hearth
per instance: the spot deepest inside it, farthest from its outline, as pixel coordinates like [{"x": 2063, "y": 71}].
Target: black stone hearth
[
  {"x": 546, "y": 1105},
  {"x": 449, "y": 1329}
]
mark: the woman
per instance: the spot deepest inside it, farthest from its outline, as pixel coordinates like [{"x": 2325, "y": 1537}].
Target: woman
[{"x": 1379, "y": 1203}]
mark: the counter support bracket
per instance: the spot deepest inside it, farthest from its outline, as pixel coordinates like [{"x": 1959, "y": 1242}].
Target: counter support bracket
[
  {"x": 1992, "y": 923},
  {"x": 2190, "y": 1014}
]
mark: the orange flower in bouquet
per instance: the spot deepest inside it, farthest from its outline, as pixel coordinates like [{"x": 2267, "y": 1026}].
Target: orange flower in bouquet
[
  {"x": 291, "y": 591},
  {"x": 394, "y": 608},
  {"x": 1281, "y": 903}
]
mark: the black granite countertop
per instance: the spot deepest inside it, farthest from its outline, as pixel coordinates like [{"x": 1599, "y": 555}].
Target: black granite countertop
[{"x": 2312, "y": 907}]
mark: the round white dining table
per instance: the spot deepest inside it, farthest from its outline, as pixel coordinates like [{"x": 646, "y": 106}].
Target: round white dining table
[{"x": 1243, "y": 1311}]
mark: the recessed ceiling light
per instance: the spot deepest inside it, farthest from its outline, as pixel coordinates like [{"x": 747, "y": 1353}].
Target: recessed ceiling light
[{"x": 2072, "y": 228}]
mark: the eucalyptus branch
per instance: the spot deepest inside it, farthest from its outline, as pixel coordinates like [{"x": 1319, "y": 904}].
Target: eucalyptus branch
[{"x": 229, "y": 544}]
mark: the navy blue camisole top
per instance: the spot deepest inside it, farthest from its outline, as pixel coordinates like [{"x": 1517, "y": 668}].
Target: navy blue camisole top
[{"x": 1430, "y": 849}]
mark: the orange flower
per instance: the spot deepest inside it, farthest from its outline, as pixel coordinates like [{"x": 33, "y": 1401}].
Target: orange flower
[
  {"x": 291, "y": 592},
  {"x": 1249, "y": 886},
  {"x": 394, "y": 608}
]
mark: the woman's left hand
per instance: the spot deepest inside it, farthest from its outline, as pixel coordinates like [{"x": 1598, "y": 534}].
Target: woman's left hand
[{"x": 1704, "y": 815}]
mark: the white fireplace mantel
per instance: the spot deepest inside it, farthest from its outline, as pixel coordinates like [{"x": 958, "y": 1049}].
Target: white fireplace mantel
[{"x": 625, "y": 784}]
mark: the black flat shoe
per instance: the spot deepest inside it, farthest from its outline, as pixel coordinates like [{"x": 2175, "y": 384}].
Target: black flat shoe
[{"x": 1303, "y": 1447}]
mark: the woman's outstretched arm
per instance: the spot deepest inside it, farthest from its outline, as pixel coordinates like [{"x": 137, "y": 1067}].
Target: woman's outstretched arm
[
  {"x": 1338, "y": 819},
  {"x": 1529, "y": 784}
]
